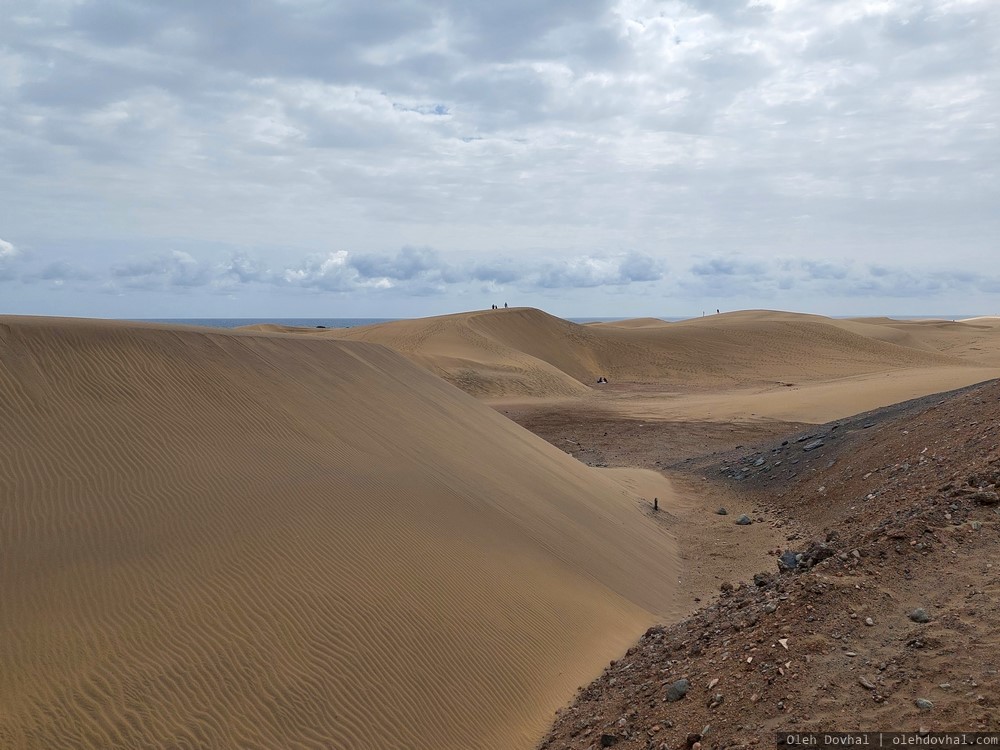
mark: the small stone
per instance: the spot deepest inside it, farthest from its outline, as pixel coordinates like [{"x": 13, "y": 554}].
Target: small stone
[
  {"x": 813, "y": 445},
  {"x": 769, "y": 608},
  {"x": 977, "y": 525},
  {"x": 923, "y": 704},
  {"x": 986, "y": 498},
  {"x": 722, "y": 512},
  {"x": 713, "y": 682},
  {"x": 743, "y": 520},
  {"x": 866, "y": 683},
  {"x": 783, "y": 643},
  {"x": 920, "y": 615},
  {"x": 869, "y": 622},
  {"x": 716, "y": 700},
  {"x": 759, "y": 462},
  {"x": 677, "y": 690}
]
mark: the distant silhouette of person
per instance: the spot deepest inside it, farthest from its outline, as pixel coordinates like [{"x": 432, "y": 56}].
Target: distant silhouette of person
[
  {"x": 717, "y": 311},
  {"x": 504, "y": 305},
  {"x": 656, "y": 503}
]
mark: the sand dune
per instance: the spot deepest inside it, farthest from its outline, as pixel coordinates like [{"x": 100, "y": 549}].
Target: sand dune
[
  {"x": 525, "y": 352},
  {"x": 267, "y": 541}
]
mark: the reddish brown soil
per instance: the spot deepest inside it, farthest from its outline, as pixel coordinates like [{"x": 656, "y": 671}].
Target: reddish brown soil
[{"x": 903, "y": 500}]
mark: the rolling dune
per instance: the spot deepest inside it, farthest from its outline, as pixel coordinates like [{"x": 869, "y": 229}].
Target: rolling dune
[
  {"x": 526, "y": 352},
  {"x": 245, "y": 540}
]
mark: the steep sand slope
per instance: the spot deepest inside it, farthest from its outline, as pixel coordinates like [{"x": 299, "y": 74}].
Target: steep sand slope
[
  {"x": 267, "y": 541},
  {"x": 523, "y": 351}
]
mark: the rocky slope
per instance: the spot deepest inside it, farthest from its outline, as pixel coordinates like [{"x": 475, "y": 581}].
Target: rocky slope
[{"x": 880, "y": 613}]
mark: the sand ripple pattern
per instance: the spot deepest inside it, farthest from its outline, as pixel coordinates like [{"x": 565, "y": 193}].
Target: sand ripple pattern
[{"x": 236, "y": 540}]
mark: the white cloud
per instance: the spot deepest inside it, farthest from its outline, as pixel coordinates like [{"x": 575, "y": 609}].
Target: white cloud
[{"x": 527, "y": 139}]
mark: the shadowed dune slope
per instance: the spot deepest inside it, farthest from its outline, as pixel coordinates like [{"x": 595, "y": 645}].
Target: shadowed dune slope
[
  {"x": 524, "y": 351},
  {"x": 259, "y": 541}
]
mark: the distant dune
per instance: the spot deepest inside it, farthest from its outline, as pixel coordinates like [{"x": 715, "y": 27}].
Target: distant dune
[
  {"x": 633, "y": 323},
  {"x": 259, "y": 540},
  {"x": 526, "y": 352}
]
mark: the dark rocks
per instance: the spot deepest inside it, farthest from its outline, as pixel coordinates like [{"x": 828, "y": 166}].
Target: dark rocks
[
  {"x": 677, "y": 690},
  {"x": 761, "y": 579},
  {"x": 923, "y": 704},
  {"x": 920, "y": 615},
  {"x": 816, "y": 553},
  {"x": 744, "y": 520},
  {"x": 722, "y": 512},
  {"x": 986, "y": 497},
  {"x": 813, "y": 445},
  {"x": 759, "y": 462},
  {"x": 788, "y": 561},
  {"x": 608, "y": 740}
]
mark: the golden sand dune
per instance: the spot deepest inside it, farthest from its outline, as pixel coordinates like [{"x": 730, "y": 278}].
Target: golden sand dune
[
  {"x": 526, "y": 352},
  {"x": 267, "y": 541}
]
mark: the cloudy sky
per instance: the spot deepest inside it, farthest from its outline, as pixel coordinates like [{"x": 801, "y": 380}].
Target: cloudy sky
[{"x": 340, "y": 158}]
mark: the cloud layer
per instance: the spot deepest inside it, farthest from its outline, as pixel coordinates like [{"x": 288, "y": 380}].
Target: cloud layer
[{"x": 584, "y": 144}]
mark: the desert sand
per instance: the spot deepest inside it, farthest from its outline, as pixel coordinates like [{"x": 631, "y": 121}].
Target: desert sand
[
  {"x": 228, "y": 540},
  {"x": 288, "y": 538}
]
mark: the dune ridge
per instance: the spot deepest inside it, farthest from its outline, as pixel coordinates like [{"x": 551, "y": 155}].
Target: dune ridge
[
  {"x": 526, "y": 352},
  {"x": 260, "y": 540}
]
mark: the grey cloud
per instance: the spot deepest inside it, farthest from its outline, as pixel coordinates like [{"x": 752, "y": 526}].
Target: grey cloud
[
  {"x": 727, "y": 267},
  {"x": 242, "y": 269},
  {"x": 177, "y": 270},
  {"x": 497, "y": 272},
  {"x": 638, "y": 267},
  {"x": 409, "y": 263},
  {"x": 828, "y": 279},
  {"x": 332, "y": 272},
  {"x": 819, "y": 269},
  {"x": 520, "y": 28},
  {"x": 413, "y": 270},
  {"x": 589, "y": 271},
  {"x": 61, "y": 270}
]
